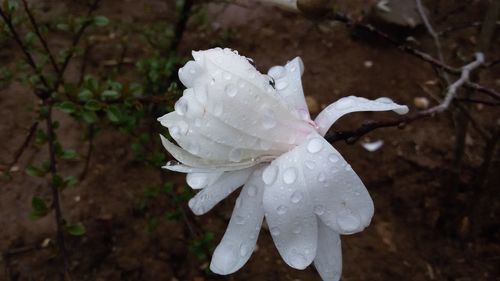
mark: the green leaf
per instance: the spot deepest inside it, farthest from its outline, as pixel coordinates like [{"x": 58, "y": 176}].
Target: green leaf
[
  {"x": 67, "y": 107},
  {"x": 113, "y": 114},
  {"x": 62, "y": 26},
  {"x": 57, "y": 181},
  {"x": 85, "y": 95},
  {"x": 91, "y": 83},
  {"x": 89, "y": 116},
  {"x": 70, "y": 181},
  {"x": 69, "y": 154},
  {"x": 29, "y": 37},
  {"x": 40, "y": 137},
  {"x": 38, "y": 208},
  {"x": 34, "y": 171},
  {"x": 93, "y": 105},
  {"x": 76, "y": 229},
  {"x": 110, "y": 95},
  {"x": 101, "y": 21}
]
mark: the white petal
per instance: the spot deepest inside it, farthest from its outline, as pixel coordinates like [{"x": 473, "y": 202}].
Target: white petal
[
  {"x": 201, "y": 180},
  {"x": 288, "y": 84},
  {"x": 328, "y": 259},
  {"x": 289, "y": 212},
  {"x": 340, "y": 199},
  {"x": 241, "y": 235},
  {"x": 208, "y": 197},
  {"x": 345, "y": 105}
]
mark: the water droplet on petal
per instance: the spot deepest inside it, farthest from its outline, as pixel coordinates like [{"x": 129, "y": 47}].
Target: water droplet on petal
[
  {"x": 281, "y": 85},
  {"x": 333, "y": 158},
  {"x": 269, "y": 174},
  {"x": 282, "y": 209},
  {"x": 239, "y": 220},
  {"x": 319, "y": 210},
  {"x": 310, "y": 164},
  {"x": 348, "y": 168},
  {"x": 290, "y": 175},
  {"x": 348, "y": 222},
  {"x": 297, "y": 229},
  {"x": 174, "y": 132},
  {"x": 269, "y": 120},
  {"x": 276, "y": 72},
  {"x": 196, "y": 180},
  {"x": 321, "y": 177},
  {"x": 275, "y": 231},
  {"x": 235, "y": 155},
  {"x": 298, "y": 260},
  {"x": 314, "y": 145},
  {"x": 231, "y": 90},
  {"x": 226, "y": 75},
  {"x": 296, "y": 197},
  {"x": 384, "y": 100},
  {"x": 181, "y": 106},
  {"x": 244, "y": 249}
]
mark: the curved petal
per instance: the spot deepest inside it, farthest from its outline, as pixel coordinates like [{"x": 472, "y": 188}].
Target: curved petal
[
  {"x": 340, "y": 198},
  {"x": 208, "y": 197},
  {"x": 288, "y": 84},
  {"x": 345, "y": 105},
  {"x": 328, "y": 259},
  {"x": 289, "y": 212},
  {"x": 201, "y": 180},
  {"x": 241, "y": 235}
]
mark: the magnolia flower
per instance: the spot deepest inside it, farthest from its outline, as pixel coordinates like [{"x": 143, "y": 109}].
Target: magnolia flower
[{"x": 238, "y": 127}]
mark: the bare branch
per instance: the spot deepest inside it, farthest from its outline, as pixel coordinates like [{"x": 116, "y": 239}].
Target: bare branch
[{"x": 24, "y": 145}]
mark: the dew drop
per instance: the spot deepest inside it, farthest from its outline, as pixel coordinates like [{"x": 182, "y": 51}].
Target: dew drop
[
  {"x": 196, "y": 180},
  {"x": 269, "y": 120},
  {"x": 319, "y": 210},
  {"x": 314, "y": 145},
  {"x": 239, "y": 220},
  {"x": 269, "y": 174},
  {"x": 237, "y": 204},
  {"x": 310, "y": 164},
  {"x": 290, "y": 175},
  {"x": 264, "y": 145},
  {"x": 231, "y": 90},
  {"x": 333, "y": 158},
  {"x": 276, "y": 72},
  {"x": 348, "y": 168},
  {"x": 281, "y": 85},
  {"x": 235, "y": 155},
  {"x": 297, "y": 229},
  {"x": 282, "y": 209},
  {"x": 226, "y": 75},
  {"x": 384, "y": 100},
  {"x": 321, "y": 177},
  {"x": 181, "y": 106},
  {"x": 298, "y": 260},
  {"x": 244, "y": 249},
  {"x": 174, "y": 132},
  {"x": 296, "y": 197},
  {"x": 348, "y": 222},
  {"x": 275, "y": 231}
]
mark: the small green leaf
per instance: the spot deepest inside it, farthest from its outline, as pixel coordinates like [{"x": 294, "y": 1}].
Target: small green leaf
[
  {"x": 113, "y": 114},
  {"x": 110, "y": 95},
  {"x": 101, "y": 21},
  {"x": 85, "y": 95},
  {"x": 89, "y": 116},
  {"x": 91, "y": 83},
  {"x": 93, "y": 105},
  {"x": 34, "y": 171},
  {"x": 62, "y": 26},
  {"x": 57, "y": 181},
  {"x": 70, "y": 181},
  {"x": 29, "y": 37},
  {"x": 69, "y": 154},
  {"x": 76, "y": 229},
  {"x": 40, "y": 137},
  {"x": 38, "y": 208},
  {"x": 67, "y": 107}
]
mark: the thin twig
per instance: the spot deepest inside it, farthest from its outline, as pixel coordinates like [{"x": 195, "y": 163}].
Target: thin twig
[
  {"x": 89, "y": 151},
  {"x": 24, "y": 145}
]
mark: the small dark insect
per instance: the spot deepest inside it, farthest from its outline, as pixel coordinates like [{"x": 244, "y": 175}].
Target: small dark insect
[
  {"x": 272, "y": 83},
  {"x": 251, "y": 61}
]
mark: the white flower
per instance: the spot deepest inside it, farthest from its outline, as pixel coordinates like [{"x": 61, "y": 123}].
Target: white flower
[{"x": 236, "y": 126}]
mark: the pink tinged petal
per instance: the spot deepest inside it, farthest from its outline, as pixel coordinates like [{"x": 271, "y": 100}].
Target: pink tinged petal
[
  {"x": 289, "y": 211},
  {"x": 339, "y": 197},
  {"x": 241, "y": 235},
  {"x": 345, "y": 105},
  {"x": 328, "y": 259},
  {"x": 208, "y": 197},
  {"x": 288, "y": 84}
]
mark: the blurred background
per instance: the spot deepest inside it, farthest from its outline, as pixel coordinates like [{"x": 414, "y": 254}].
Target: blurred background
[{"x": 82, "y": 83}]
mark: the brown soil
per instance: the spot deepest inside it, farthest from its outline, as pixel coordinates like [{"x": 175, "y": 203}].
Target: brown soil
[{"x": 428, "y": 224}]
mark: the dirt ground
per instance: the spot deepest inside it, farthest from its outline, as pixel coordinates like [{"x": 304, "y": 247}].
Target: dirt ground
[{"x": 428, "y": 224}]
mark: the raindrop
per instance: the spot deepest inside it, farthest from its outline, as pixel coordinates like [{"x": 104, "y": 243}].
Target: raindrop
[
  {"x": 277, "y": 72},
  {"x": 275, "y": 231},
  {"x": 196, "y": 180},
  {"x": 269, "y": 174},
  {"x": 174, "y": 132},
  {"x": 231, "y": 90},
  {"x": 321, "y": 177},
  {"x": 264, "y": 145},
  {"x": 344, "y": 103},
  {"x": 181, "y": 106},
  {"x": 235, "y": 155},
  {"x": 293, "y": 68},
  {"x": 384, "y": 100},
  {"x": 348, "y": 222},
  {"x": 314, "y": 145},
  {"x": 319, "y": 210},
  {"x": 244, "y": 249},
  {"x": 296, "y": 197},
  {"x": 237, "y": 204},
  {"x": 333, "y": 158},
  {"x": 348, "y": 168},
  {"x": 290, "y": 175},
  {"x": 252, "y": 191},
  {"x": 226, "y": 75},
  {"x": 269, "y": 120},
  {"x": 298, "y": 260},
  {"x": 310, "y": 164},
  {"x": 239, "y": 220},
  {"x": 297, "y": 229},
  {"x": 183, "y": 127},
  {"x": 282, "y": 209}
]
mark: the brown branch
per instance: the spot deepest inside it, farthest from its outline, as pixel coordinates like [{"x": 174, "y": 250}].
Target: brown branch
[
  {"x": 42, "y": 40},
  {"x": 89, "y": 152},
  {"x": 24, "y": 145}
]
